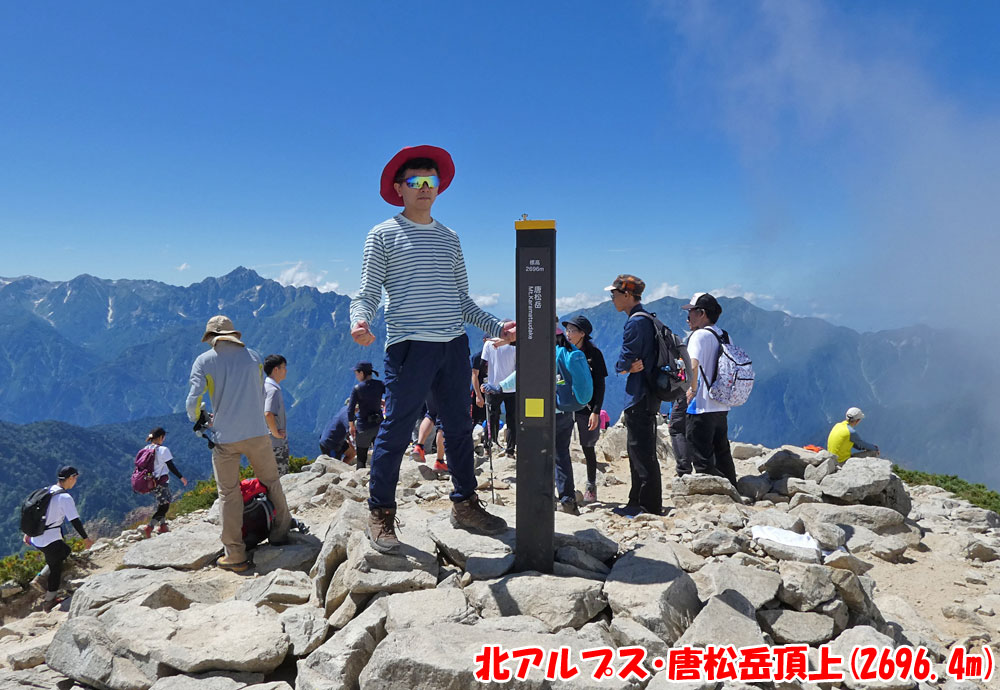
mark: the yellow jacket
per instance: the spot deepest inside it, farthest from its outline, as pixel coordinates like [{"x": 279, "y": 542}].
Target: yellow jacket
[{"x": 839, "y": 442}]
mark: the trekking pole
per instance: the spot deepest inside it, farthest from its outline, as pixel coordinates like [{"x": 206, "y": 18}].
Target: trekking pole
[{"x": 489, "y": 448}]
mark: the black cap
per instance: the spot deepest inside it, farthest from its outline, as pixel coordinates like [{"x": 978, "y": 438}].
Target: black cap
[
  {"x": 365, "y": 368},
  {"x": 703, "y": 300},
  {"x": 582, "y": 322},
  {"x": 67, "y": 471}
]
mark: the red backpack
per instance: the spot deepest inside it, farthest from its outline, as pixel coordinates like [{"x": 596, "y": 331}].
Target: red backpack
[{"x": 143, "y": 480}]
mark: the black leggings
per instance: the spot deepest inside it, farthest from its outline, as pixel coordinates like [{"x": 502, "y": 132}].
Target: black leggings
[
  {"x": 55, "y": 554},
  {"x": 161, "y": 513}
]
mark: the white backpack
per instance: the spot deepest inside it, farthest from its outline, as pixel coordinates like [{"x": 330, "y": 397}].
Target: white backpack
[{"x": 733, "y": 378}]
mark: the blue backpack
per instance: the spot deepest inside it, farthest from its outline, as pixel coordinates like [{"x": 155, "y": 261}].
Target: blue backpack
[{"x": 574, "y": 384}]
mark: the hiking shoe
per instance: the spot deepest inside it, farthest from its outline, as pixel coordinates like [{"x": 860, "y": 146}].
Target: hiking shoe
[
  {"x": 50, "y": 604},
  {"x": 568, "y": 507},
  {"x": 147, "y": 531},
  {"x": 628, "y": 511},
  {"x": 471, "y": 515},
  {"x": 232, "y": 565},
  {"x": 417, "y": 454},
  {"x": 382, "y": 530},
  {"x": 440, "y": 466},
  {"x": 163, "y": 529},
  {"x": 590, "y": 493}
]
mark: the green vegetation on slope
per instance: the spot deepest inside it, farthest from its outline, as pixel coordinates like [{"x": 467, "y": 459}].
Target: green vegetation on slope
[{"x": 976, "y": 494}]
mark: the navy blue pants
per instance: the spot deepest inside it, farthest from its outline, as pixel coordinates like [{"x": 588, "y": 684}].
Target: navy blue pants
[
  {"x": 415, "y": 370},
  {"x": 565, "y": 488}
]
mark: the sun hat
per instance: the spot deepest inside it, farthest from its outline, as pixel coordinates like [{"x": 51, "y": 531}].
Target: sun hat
[
  {"x": 221, "y": 328},
  {"x": 581, "y": 322},
  {"x": 445, "y": 168}
]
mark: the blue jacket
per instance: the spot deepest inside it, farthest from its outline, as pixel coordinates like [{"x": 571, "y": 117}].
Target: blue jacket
[
  {"x": 335, "y": 431},
  {"x": 638, "y": 342}
]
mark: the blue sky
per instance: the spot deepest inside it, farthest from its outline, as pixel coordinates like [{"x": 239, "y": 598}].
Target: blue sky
[{"x": 830, "y": 159}]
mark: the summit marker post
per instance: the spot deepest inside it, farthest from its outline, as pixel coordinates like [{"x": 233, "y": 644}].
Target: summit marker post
[{"x": 536, "y": 393}]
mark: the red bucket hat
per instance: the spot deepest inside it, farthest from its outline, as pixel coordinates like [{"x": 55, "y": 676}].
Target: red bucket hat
[{"x": 445, "y": 168}]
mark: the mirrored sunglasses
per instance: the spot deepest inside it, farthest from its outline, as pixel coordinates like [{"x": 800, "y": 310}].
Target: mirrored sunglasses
[{"x": 418, "y": 181}]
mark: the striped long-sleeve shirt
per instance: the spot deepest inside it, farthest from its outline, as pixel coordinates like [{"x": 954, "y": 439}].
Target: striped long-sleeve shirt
[{"x": 423, "y": 272}]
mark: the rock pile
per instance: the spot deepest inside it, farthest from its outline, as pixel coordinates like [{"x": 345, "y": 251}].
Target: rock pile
[{"x": 796, "y": 554}]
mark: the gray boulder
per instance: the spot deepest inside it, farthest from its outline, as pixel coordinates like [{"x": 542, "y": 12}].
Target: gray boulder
[
  {"x": 846, "y": 560},
  {"x": 817, "y": 473},
  {"x": 758, "y": 586},
  {"x": 427, "y": 607},
  {"x": 278, "y": 590},
  {"x": 727, "y": 618},
  {"x": 559, "y": 602},
  {"x": 805, "y": 586},
  {"x": 99, "y": 592},
  {"x": 349, "y": 519},
  {"x": 878, "y": 519},
  {"x": 754, "y": 487},
  {"x": 704, "y": 484},
  {"x": 787, "y": 461},
  {"x": 795, "y": 627},
  {"x": 338, "y": 662},
  {"x": 298, "y": 554},
  {"x": 720, "y": 541},
  {"x": 188, "y": 548},
  {"x": 777, "y": 518},
  {"x": 858, "y": 479},
  {"x": 306, "y": 629},
  {"x": 648, "y": 585},
  {"x": 865, "y": 636},
  {"x": 577, "y": 558}
]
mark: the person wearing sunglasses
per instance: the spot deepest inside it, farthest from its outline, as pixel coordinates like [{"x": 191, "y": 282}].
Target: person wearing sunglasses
[
  {"x": 638, "y": 357},
  {"x": 418, "y": 262}
]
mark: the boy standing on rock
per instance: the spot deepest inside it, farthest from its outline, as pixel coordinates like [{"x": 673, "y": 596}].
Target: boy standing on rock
[{"x": 418, "y": 261}]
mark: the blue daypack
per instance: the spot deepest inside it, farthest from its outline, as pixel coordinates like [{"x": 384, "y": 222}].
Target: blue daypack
[{"x": 574, "y": 384}]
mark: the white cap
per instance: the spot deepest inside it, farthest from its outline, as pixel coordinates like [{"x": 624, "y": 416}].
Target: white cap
[{"x": 855, "y": 413}]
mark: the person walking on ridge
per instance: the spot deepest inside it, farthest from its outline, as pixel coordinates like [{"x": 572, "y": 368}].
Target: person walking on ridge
[
  {"x": 418, "y": 261},
  {"x": 61, "y": 507},
  {"x": 163, "y": 460},
  {"x": 844, "y": 441}
]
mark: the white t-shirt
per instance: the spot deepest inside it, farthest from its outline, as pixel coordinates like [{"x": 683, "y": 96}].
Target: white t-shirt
[
  {"x": 160, "y": 461},
  {"x": 704, "y": 347},
  {"x": 501, "y": 360},
  {"x": 61, "y": 507}
]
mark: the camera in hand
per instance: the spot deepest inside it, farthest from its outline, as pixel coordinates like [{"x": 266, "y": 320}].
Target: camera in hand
[{"x": 201, "y": 428}]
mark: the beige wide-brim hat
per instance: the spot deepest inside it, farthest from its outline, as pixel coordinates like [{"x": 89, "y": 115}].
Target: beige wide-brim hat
[{"x": 221, "y": 328}]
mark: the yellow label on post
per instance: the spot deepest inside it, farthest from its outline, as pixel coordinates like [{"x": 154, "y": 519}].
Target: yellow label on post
[
  {"x": 534, "y": 407},
  {"x": 534, "y": 225}
]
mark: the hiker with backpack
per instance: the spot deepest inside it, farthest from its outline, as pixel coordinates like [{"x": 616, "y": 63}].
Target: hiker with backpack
[
  {"x": 706, "y": 423},
  {"x": 639, "y": 355},
  {"x": 42, "y": 516},
  {"x": 156, "y": 459},
  {"x": 588, "y": 419},
  {"x": 574, "y": 390},
  {"x": 364, "y": 409}
]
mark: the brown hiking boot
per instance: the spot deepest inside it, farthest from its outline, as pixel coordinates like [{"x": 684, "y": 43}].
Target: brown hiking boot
[
  {"x": 471, "y": 515},
  {"x": 382, "y": 530},
  {"x": 233, "y": 565}
]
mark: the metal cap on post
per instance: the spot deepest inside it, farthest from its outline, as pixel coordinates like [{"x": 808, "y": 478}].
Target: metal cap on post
[{"x": 536, "y": 392}]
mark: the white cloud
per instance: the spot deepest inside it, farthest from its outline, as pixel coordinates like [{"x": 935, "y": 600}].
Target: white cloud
[
  {"x": 300, "y": 274},
  {"x": 662, "y": 290},
  {"x": 486, "y": 301},
  {"x": 580, "y": 300},
  {"x": 184, "y": 266}
]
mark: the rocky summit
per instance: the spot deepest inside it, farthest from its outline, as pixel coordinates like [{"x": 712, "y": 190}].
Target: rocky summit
[{"x": 806, "y": 552}]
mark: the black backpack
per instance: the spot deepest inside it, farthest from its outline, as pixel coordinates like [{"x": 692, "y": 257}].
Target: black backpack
[
  {"x": 33, "y": 511},
  {"x": 669, "y": 381}
]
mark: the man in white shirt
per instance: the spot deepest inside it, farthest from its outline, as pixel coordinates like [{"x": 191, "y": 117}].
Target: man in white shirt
[
  {"x": 500, "y": 363},
  {"x": 61, "y": 507},
  {"x": 276, "y": 370},
  {"x": 707, "y": 424}
]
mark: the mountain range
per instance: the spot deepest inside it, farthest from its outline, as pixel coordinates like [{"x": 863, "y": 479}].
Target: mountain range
[{"x": 110, "y": 356}]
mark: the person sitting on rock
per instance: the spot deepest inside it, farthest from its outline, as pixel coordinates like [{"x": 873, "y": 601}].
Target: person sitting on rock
[
  {"x": 844, "y": 441},
  {"x": 61, "y": 507},
  {"x": 336, "y": 438}
]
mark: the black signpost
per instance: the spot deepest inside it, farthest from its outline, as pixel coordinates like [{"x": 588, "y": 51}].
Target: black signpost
[{"x": 536, "y": 392}]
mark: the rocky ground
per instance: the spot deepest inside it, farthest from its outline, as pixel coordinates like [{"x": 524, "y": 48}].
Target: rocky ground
[{"x": 806, "y": 552}]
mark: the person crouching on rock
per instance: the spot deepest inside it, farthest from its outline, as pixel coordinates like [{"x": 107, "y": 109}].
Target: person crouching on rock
[
  {"x": 163, "y": 460},
  {"x": 61, "y": 507}
]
